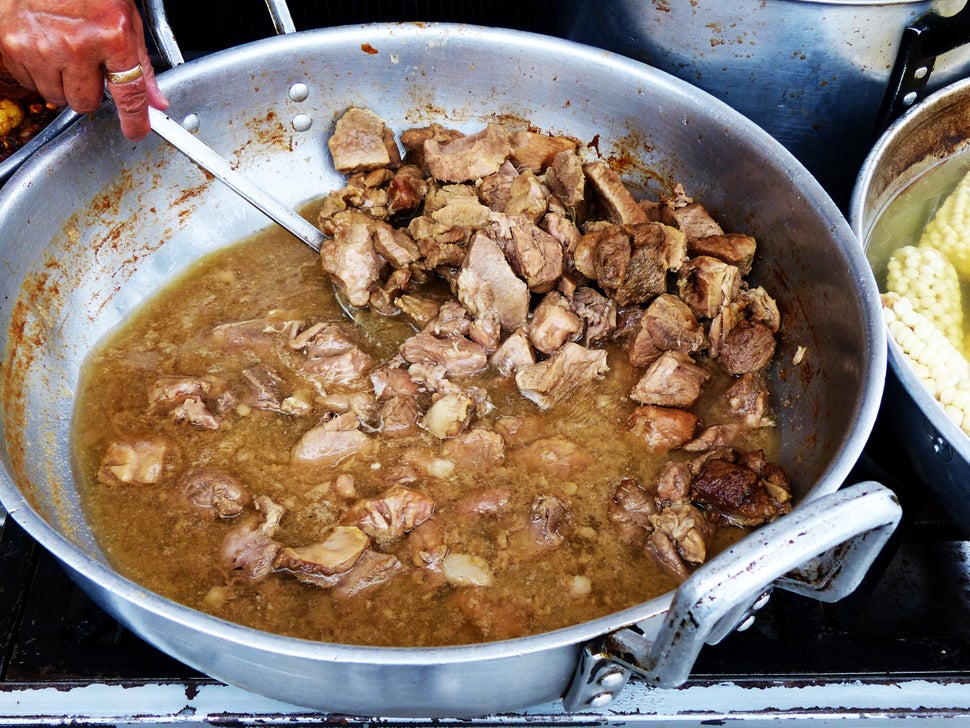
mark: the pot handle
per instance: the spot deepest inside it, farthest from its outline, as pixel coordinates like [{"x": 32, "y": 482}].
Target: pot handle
[
  {"x": 157, "y": 19},
  {"x": 821, "y": 549},
  {"x": 930, "y": 36}
]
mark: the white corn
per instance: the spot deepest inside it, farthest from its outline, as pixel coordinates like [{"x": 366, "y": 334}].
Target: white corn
[
  {"x": 930, "y": 282},
  {"x": 949, "y": 230}
]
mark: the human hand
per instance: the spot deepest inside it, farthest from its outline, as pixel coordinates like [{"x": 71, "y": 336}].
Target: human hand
[{"x": 65, "y": 50}]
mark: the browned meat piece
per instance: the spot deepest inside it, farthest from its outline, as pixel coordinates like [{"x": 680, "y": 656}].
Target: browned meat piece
[
  {"x": 329, "y": 443},
  {"x": 413, "y": 141},
  {"x": 534, "y": 255},
  {"x": 488, "y": 283},
  {"x": 449, "y": 415},
  {"x": 558, "y": 377},
  {"x": 485, "y": 502},
  {"x": 427, "y": 545},
  {"x": 706, "y": 284},
  {"x": 336, "y": 554},
  {"x": 669, "y": 241},
  {"x": 459, "y": 356},
  {"x": 619, "y": 204},
  {"x": 548, "y": 521},
  {"x": 495, "y": 189},
  {"x": 673, "y": 482},
  {"x": 372, "y": 569},
  {"x": 461, "y": 209},
  {"x": 475, "y": 447},
  {"x": 263, "y": 387},
  {"x": 759, "y": 307},
  {"x": 451, "y": 319},
  {"x": 748, "y": 398},
  {"x": 597, "y": 312},
  {"x": 495, "y": 616},
  {"x": 603, "y": 256},
  {"x": 360, "y": 141},
  {"x": 166, "y": 392},
  {"x": 486, "y": 331},
  {"x": 467, "y": 158},
  {"x": 395, "y": 246},
  {"x": 135, "y": 461},
  {"x": 630, "y": 510},
  {"x": 528, "y": 198},
  {"x": 249, "y": 550},
  {"x": 692, "y": 220},
  {"x": 555, "y": 457},
  {"x": 566, "y": 180},
  {"x": 668, "y": 324},
  {"x": 662, "y": 428},
  {"x": 215, "y": 489},
  {"x": 513, "y": 353},
  {"x": 728, "y": 454},
  {"x": 400, "y": 416},
  {"x": 391, "y": 515},
  {"x": 195, "y": 412},
  {"x": 747, "y": 347},
  {"x": 665, "y": 552},
  {"x": 418, "y": 310},
  {"x": 391, "y": 381},
  {"x": 688, "y": 529},
  {"x": 672, "y": 380},
  {"x": 534, "y": 151},
  {"x": 738, "y": 493},
  {"x": 553, "y": 323},
  {"x": 349, "y": 257},
  {"x": 406, "y": 190},
  {"x": 714, "y": 437},
  {"x": 627, "y": 323},
  {"x": 734, "y": 248},
  {"x": 644, "y": 277},
  {"x": 566, "y": 234}
]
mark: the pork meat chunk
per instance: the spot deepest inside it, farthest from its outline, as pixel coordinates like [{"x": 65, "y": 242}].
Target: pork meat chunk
[
  {"x": 748, "y": 397},
  {"x": 553, "y": 323},
  {"x": 619, "y": 204},
  {"x": 391, "y": 515},
  {"x": 692, "y": 219},
  {"x": 371, "y": 570},
  {"x": 513, "y": 353},
  {"x": 362, "y": 141},
  {"x": 668, "y": 324},
  {"x": 559, "y": 377},
  {"x": 134, "y": 461},
  {"x": 329, "y": 443},
  {"x": 672, "y": 380},
  {"x": 336, "y": 554},
  {"x": 535, "y": 256},
  {"x": 662, "y": 428},
  {"x": 487, "y": 283},
  {"x": 458, "y": 355},
  {"x": 738, "y": 493},
  {"x": 706, "y": 284},
  {"x": 631, "y": 507},
  {"x": 748, "y": 347},
  {"x": 349, "y": 257},
  {"x": 469, "y": 157},
  {"x": 548, "y": 521},
  {"x": 566, "y": 179},
  {"x": 211, "y": 488},
  {"x": 737, "y": 249},
  {"x": 535, "y": 152},
  {"x": 249, "y": 551}
]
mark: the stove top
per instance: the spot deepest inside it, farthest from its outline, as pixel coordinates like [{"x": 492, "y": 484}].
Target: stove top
[{"x": 899, "y": 646}]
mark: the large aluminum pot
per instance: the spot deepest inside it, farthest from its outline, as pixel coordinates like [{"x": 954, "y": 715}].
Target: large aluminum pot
[
  {"x": 935, "y": 132},
  {"x": 813, "y": 73},
  {"x": 94, "y": 224}
]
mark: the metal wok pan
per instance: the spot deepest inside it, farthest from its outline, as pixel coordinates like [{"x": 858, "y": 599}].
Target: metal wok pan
[{"x": 92, "y": 225}]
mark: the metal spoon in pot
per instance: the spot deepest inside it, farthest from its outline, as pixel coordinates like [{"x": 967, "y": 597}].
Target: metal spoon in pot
[{"x": 204, "y": 156}]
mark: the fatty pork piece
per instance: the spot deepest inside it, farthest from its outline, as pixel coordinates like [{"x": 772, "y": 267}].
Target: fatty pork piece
[
  {"x": 324, "y": 563},
  {"x": 630, "y": 510},
  {"x": 662, "y": 428},
  {"x": 535, "y": 151},
  {"x": 687, "y": 527},
  {"x": 597, "y": 312},
  {"x": 615, "y": 198},
  {"x": 554, "y": 323},
  {"x": 333, "y": 361},
  {"x": 263, "y": 388},
  {"x": 467, "y": 158},
  {"x": 559, "y": 377},
  {"x": 211, "y": 488},
  {"x": 747, "y": 398},
  {"x": 449, "y": 415},
  {"x": 631, "y": 268},
  {"x": 513, "y": 353},
  {"x": 249, "y": 551},
  {"x": 362, "y": 141},
  {"x": 566, "y": 180},
  {"x": 349, "y": 256},
  {"x": 169, "y": 391},
  {"x": 688, "y": 216},
  {"x": 737, "y": 249},
  {"x": 742, "y": 335},
  {"x": 388, "y": 517},
  {"x": 457, "y": 355},
  {"x": 746, "y": 493},
  {"x": 667, "y": 324},
  {"x": 406, "y": 191},
  {"x": 134, "y": 461},
  {"x": 707, "y": 284},
  {"x": 413, "y": 141},
  {"x": 335, "y": 439},
  {"x": 487, "y": 284},
  {"x": 672, "y": 380},
  {"x": 535, "y": 255}
]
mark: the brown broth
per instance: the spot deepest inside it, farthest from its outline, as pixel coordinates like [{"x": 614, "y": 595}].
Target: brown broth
[{"x": 151, "y": 536}]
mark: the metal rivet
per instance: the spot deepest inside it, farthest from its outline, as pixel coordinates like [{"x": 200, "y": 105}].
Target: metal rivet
[
  {"x": 745, "y": 623},
  {"x": 921, "y": 72},
  {"x": 302, "y": 122},
  {"x": 299, "y": 92},
  {"x": 910, "y": 98},
  {"x": 761, "y": 601},
  {"x": 612, "y": 679},
  {"x": 600, "y": 699},
  {"x": 942, "y": 448},
  {"x": 191, "y": 122}
]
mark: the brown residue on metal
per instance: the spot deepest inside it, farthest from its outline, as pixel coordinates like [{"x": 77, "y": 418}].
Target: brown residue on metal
[{"x": 368, "y": 49}]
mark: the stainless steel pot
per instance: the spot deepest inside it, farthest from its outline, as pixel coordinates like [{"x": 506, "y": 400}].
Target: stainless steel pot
[
  {"x": 813, "y": 73},
  {"x": 933, "y": 132},
  {"x": 10, "y": 165},
  {"x": 92, "y": 225}
]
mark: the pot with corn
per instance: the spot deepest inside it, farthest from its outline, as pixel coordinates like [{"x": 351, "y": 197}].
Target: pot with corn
[{"x": 911, "y": 210}]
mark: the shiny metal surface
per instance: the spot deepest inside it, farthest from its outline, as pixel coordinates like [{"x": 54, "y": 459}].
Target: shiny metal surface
[
  {"x": 812, "y": 73},
  {"x": 10, "y": 165},
  {"x": 82, "y": 251},
  {"x": 934, "y": 131}
]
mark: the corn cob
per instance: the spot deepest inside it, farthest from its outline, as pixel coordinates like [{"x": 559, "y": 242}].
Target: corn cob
[
  {"x": 930, "y": 282},
  {"x": 949, "y": 230},
  {"x": 938, "y": 364}
]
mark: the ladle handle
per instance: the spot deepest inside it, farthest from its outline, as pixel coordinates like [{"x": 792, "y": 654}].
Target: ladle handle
[
  {"x": 200, "y": 153},
  {"x": 930, "y": 36}
]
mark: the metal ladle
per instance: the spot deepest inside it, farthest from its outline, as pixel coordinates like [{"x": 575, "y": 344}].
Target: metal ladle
[{"x": 204, "y": 156}]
